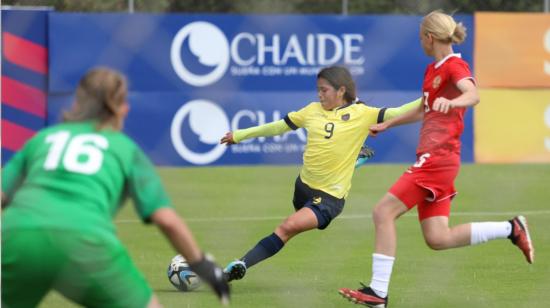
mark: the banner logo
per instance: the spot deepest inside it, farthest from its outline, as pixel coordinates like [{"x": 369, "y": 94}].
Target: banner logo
[
  {"x": 208, "y": 51},
  {"x": 203, "y": 123}
]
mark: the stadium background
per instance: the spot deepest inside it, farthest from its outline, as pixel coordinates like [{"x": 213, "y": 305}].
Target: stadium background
[
  {"x": 253, "y": 69},
  {"x": 44, "y": 51}
]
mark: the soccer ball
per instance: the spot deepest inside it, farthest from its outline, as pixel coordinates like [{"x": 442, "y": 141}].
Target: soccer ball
[{"x": 181, "y": 276}]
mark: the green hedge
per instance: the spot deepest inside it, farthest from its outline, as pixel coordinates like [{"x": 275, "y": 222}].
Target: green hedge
[{"x": 287, "y": 6}]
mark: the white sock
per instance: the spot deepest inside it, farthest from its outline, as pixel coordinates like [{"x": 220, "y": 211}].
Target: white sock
[
  {"x": 381, "y": 271},
  {"x": 482, "y": 232}
]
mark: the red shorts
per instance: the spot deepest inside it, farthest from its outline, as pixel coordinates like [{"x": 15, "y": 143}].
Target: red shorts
[{"x": 429, "y": 183}]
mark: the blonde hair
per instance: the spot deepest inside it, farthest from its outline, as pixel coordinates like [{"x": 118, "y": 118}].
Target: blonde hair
[
  {"x": 98, "y": 96},
  {"x": 443, "y": 28}
]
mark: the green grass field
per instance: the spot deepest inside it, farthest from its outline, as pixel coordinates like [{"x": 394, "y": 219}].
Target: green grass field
[{"x": 230, "y": 209}]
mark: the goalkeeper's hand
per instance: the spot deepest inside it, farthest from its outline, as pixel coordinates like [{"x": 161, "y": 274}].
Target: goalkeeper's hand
[
  {"x": 365, "y": 154},
  {"x": 212, "y": 274}
]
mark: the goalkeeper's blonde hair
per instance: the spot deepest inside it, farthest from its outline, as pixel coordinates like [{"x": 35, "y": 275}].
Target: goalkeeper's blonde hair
[{"x": 99, "y": 96}]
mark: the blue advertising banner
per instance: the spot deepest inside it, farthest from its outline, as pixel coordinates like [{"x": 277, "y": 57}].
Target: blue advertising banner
[
  {"x": 180, "y": 130},
  {"x": 195, "y": 77},
  {"x": 239, "y": 53}
]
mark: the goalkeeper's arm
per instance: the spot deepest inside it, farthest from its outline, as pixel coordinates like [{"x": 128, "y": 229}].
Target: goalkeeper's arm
[
  {"x": 179, "y": 235},
  {"x": 266, "y": 130}
]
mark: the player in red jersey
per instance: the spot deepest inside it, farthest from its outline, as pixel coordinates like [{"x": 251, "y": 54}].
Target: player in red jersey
[{"x": 448, "y": 89}]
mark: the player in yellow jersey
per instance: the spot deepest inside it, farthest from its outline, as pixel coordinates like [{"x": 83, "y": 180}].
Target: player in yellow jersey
[{"x": 337, "y": 127}]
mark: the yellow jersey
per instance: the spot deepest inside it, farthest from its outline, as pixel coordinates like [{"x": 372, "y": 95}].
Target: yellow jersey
[{"x": 334, "y": 139}]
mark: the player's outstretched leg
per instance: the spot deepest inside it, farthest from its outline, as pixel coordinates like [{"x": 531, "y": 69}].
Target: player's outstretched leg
[
  {"x": 265, "y": 248},
  {"x": 364, "y": 296},
  {"x": 235, "y": 270},
  {"x": 521, "y": 238}
]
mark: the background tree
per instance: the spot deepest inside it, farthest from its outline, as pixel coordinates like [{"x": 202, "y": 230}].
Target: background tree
[{"x": 287, "y": 6}]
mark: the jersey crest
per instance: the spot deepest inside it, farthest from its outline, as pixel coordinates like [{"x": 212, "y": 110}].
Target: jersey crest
[{"x": 436, "y": 82}]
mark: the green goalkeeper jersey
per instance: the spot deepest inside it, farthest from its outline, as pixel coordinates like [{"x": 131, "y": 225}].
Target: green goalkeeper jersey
[{"x": 73, "y": 176}]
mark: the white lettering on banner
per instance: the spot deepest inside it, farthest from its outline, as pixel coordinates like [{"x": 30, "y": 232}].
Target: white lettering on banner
[
  {"x": 246, "y": 148},
  {"x": 322, "y": 45},
  {"x": 267, "y": 148},
  {"x": 344, "y": 47},
  {"x": 293, "y": 50},
  {"x": 350, "y": 48},
  {"x": 245, "y": 71},
  {"x": 272, "y": 70},
  {"x": 547, "y": 122},
  {"x": 272, "y": 147},
  {"x": 255, "y": 54},
  {"x": 547, "y": 47},
  {"x": 290, "y": 70},
  {"x": 263, "y": 49},
  {"x": 282, "y": 148},
  {"x": 235, "y": 48},
  {"x": 310, "y": 52},
  {"x": 357, "y": 70}
]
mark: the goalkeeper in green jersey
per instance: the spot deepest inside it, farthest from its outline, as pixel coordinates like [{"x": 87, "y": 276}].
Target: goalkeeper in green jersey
[{"x": 60, "y": 193}]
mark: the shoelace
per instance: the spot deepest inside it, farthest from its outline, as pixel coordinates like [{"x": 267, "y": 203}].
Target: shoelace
[
  {"x": 364, "y": 286},
  {"x": 514, "y": 236}
]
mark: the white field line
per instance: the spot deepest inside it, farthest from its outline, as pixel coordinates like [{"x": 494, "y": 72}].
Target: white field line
[{"x": 351, "y": 217}]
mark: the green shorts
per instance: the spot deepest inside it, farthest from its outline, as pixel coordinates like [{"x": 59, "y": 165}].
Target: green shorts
[{"x": 91, "y": 269}]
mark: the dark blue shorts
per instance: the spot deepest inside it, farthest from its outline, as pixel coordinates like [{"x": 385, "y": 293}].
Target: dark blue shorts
[{"x": 326, "y": 207}]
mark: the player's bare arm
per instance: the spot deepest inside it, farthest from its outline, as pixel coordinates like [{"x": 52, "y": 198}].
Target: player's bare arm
[
  {"x": 178, "y": 233},
  {"x": 469, "y": 97},
  {"x": 414, "y": 115}
]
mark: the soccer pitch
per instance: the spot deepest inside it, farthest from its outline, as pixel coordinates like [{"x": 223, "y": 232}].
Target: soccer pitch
[{"x": 229, "y": 209}]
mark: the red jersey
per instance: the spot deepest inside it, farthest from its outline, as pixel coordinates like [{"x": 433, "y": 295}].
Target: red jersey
[{"x": 441, "y": 132}]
